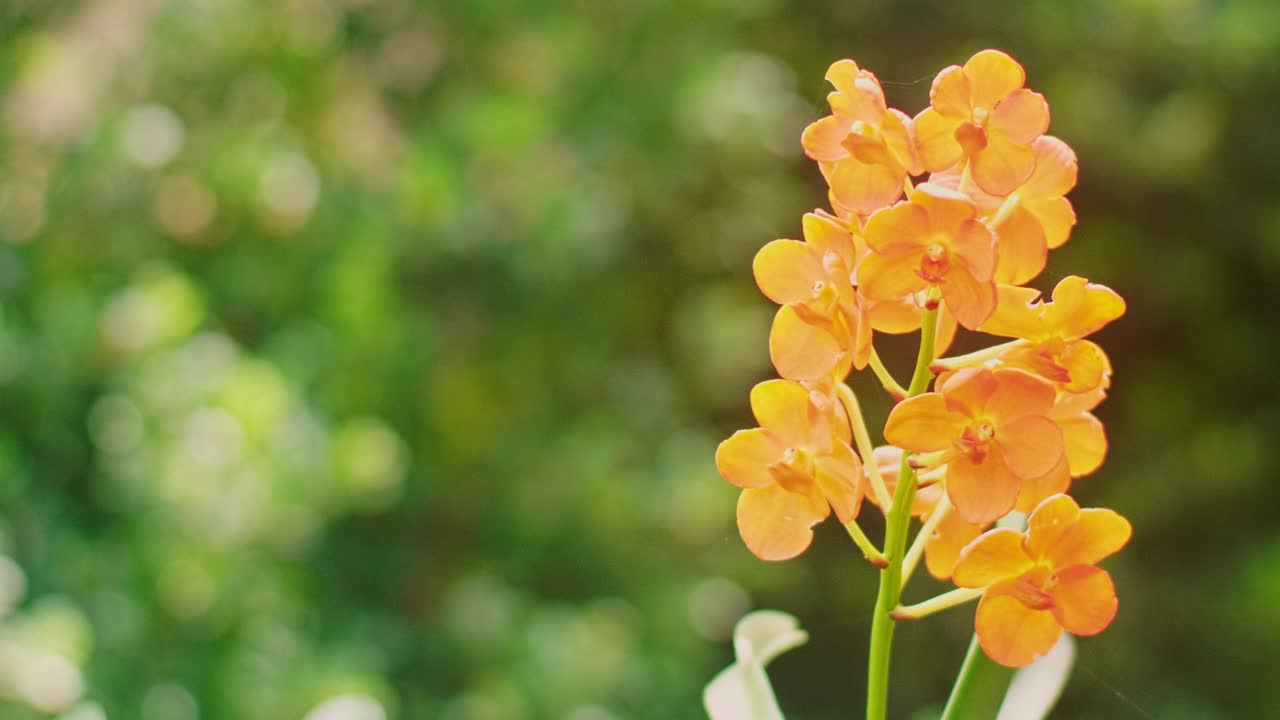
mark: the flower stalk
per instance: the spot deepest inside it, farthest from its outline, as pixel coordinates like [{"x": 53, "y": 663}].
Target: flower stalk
[
  {"x": 936, "y": 604},
  {"x": 862, "y": 439},
  {"x": 922, "y": 538}
]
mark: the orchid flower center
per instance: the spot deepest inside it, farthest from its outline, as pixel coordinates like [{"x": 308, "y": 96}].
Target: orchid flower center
[
  {"x": 794, "y": 469},
  {"x": 976, "y": 438},
  {"x": 1034, "y": 587},
  {"x": 935, "y": 262}
]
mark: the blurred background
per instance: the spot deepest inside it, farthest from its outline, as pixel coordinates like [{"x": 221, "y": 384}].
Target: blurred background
[{"x": 365, "y": 359}]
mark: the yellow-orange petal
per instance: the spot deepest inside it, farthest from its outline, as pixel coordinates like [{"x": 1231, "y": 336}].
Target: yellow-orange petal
[
  {"x": 842, "y": 74},
  {"x": 994, "y": 556},
  {"x": 1018, "y": 394},
  {"x": 1030, "y": 446},
  {"x": 1086, "y": 365},
  {"x": 860, "y": 334},
  {"x": 822, "y": 139},
  {"x": 1084, "y": 600},
  {"x": 946, "y": 331},
  {"x": 895, "y": 316},
  {"x": 975, "y": 244},
  {"x": 777, "y": 524},
  {"x": 949, "y": 211},
  {"x": 1056, "y": 217},
  {"x": 1085, "y": 441},
  {"x": 1096, "y": 534},
  {"x": 1011, "y": 633},
  {"x": 923, "y": 423},
  {"x": 858, "y": 93},
  {"x": 942, "y": 549},
  {"x": 1002, "y": 165},
  {"x": 889, "y": 459},
  {"x": 1081, "y": 308},
  {"x": 744, "y": 458},
  {"x": 897, "y": 229},
  {"x": 1036, "y": 490},
  {"x": 1023, "y": 248},
  {"x": 1056, "y": 170},
  {"x": 898, "y": 131},
  {"x": 926, "y": 498},
  {"x": 843, "y": 213},
  {"x": 982, "y": 492},
  {"x": 783, "y": 408},
  {"x": 967, "y": 390},
  {"x": 993, "y": 76},
  {"x": 936, "y": 140},
  {"x": 805, "y": 351},
  {"x": 786, "y": 271},
  {"x": 950, "y": 178},
  {"x": 839, "y": 477},
  {"x": 1047, "y": 523},
  {"x": 1069, "y": 404},
  {"x": 890, "y": 277},
  {"x": 1015, "y": 315},
  {"x": 1022, "y": 117},
  {"x": 949, "y": 94},
  {"x": 825, "y": 234},
  {"x": 969, "y": 299},
  {"x": 865, "y": 187}
]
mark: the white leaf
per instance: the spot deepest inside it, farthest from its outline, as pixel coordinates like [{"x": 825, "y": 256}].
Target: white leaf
[
  {"x": 742, "y": 690},
  {"x": 1035, "y": 689}
]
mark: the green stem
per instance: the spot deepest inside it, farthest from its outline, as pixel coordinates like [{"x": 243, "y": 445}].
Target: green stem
[
  {"x": 895, "y": 542},
  {"x": 980, "y": 687}
]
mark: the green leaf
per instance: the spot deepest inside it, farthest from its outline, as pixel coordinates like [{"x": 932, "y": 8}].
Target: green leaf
[
  {"x": 979, "y": 688},
  {"x": 742, "y": 690}
]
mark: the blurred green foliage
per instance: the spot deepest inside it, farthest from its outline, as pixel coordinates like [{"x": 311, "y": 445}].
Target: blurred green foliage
[{"x": 366, "y": 358}]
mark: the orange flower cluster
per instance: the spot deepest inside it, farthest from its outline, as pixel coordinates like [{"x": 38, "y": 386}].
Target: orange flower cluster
[{"x": 1003, "y": 429}]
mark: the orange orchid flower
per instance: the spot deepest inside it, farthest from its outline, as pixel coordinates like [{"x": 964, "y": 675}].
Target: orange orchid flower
[
  {"x": 865, "y": 149},
  {"x": 1044, "y": 581},
  {"x": 1054, "y": 331},
  {"x": 794, "y": 469},
  {"x": 821, "y": 328},
  {"x": 991, "y": 429},
  {"x": 982, "y": 113},
  {"x": 933, "y": 240},
  {"x": 1033, "y": 219}
]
